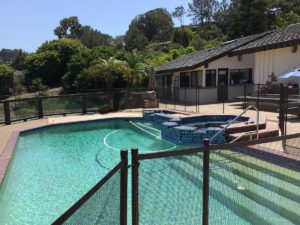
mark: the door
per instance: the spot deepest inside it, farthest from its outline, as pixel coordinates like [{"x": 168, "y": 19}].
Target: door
[{"x": 222, "y": 85}]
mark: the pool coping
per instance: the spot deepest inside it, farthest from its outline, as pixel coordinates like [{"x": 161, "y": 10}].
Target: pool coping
[
  {"x": 8, "y": 150},
  {"x": 7, "y": 153}
]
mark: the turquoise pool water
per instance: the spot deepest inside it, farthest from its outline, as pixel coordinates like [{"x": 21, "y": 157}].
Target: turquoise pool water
[{"x": 53, "y": 167}]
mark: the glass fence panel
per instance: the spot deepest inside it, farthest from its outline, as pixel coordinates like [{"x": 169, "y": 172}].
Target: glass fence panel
[
  {"x": 99, "y": 103},
  {"x": 2, "y": 119},
  {"x": 23, "y": 109},
  {"x": 62, "y": 104}
]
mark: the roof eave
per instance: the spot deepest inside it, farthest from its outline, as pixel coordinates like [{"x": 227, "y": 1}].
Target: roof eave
[{"x": 266, "y": 47}]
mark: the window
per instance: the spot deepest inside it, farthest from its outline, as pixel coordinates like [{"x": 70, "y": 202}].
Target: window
[
  {"x": 196, "y": 78},
  {"x": 184, "y": 80},
  {"x": 167, "y": 80},
  {"x": 243, "y": 76},
  {"x": 210, "y": 78},
  {"x": 222, "y": 77},
  {"x": 159, "y": 81}
]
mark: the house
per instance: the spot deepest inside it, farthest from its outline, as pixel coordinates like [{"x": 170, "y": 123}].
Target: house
[{"x": 219, "y": 74}]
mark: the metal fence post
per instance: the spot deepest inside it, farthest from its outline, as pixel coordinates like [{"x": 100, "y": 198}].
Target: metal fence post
[
  {"x": 258, "y": 95},
  {"x": 135, "y": 186},
  {"x": 205, "y": 207},
  {"x": 286, "y": 106},
  {"x": 123, "y": 188},
  {"x": 245, "y": 97},
  {"x": 40, "y": 107},
  {"x": 6, "y": 112},
  {"x": 281, "y": 109},
  {"x": 83, "y": 101}
]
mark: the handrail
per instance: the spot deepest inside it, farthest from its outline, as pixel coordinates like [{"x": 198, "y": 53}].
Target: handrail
[
  {"x": 242, "y": 135},
  {"x": 236, "y": 118}
]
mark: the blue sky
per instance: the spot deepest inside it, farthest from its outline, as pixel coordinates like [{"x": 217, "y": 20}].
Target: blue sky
[{"x": 27, "y": 24}]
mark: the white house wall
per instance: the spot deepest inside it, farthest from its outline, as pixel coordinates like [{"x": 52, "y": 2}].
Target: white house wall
[
  {"x": 277, "y": 61},
  {"x": 247, "y": 62}
]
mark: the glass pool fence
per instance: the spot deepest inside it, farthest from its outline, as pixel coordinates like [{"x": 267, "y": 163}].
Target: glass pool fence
[
  {"x": 28, "y": 108},
  {"x": 239, "y": 183}
]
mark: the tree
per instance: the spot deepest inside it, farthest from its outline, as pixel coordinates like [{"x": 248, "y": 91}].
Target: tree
[
  {"x": 153, "y": 26},
  {"x": 8, "y": 55},
  {"x": 221, "y": 16},
  {"x": 248, "y": 17},
  {"x": 19, "y": 61},
  {"x": 107, "y": 68},
  {"x": 51, "y": 59},
  {"x": 197, "y": 42},
  {"x": 69, "y": 28},
  {"x": 92, "y": 38},
  {"x": 135, "y": 71},
  {"x": 282, "y": 20},
  {"x": 179, "y": 14},
  {"x": 202, "y": 11},
  {"x": 135, "y": 38},
  {"x": 119, "y": 42},
  {"x": 6, "y": 78},
  {"x": 182, "y": 36}
]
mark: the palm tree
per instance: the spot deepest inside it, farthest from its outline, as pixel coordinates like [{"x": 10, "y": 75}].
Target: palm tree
[
  {"x": 136, "y": 71},
  {"x": 106, "y": 68}
]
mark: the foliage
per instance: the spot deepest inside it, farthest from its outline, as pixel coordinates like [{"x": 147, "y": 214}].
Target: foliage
[
  {"x": 156, "y": 58},
  {"x": 92, "y": 38},
  {"x": 37, "y": 85},
  {"x": 6, "y": 78},
  {"x": 107, "y": 69},
  {"x": 8, "y": 55},
  {"x": 135, "y": 72},
  {"x": 179, "y": 14},
  {"x": 182, "y": 36},
  {"x": 197, "y": 42},
  {"x": 153, "y": 26},
  {"x": 119, "y": 42},
  {"x": 51, "y": 59},
  {"x": 19, "y": 60},
  {"x": 69, "y": 28},
  {"x": 135, "y": 38},
  {"x": 284, "y": 19},
  {"x": 202, "y": 11}
]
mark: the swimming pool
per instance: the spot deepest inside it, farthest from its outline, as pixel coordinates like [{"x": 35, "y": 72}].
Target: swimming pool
[{"x": 54, "y": 166}]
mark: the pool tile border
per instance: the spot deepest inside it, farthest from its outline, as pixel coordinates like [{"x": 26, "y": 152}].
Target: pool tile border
[{"x": 7, "y": 153}]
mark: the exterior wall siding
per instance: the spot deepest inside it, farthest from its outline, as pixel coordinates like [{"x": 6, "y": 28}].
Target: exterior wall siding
[
  {"x": 206, "y": 95},
  {"x": 277, "y": 61},
  {"x": 248, "y": 61}
]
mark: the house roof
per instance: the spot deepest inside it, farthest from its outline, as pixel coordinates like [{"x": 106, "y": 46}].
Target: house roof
[
  {"x": 279, "y": 38},
  {"x": 199, "y": 58},
  {"x": 258, "y": 42}
]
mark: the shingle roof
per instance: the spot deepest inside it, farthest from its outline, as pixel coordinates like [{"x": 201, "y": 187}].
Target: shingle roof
[
  {"x": 258, "y": 42},
  {"x": 276, "y": 39},
  {"x": 198, "y": 58}
]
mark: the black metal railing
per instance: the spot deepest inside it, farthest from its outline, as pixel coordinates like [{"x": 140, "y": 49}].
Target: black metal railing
[
  {"x": 105, "y": 203},
  {"x": 28, "y": 108}
]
